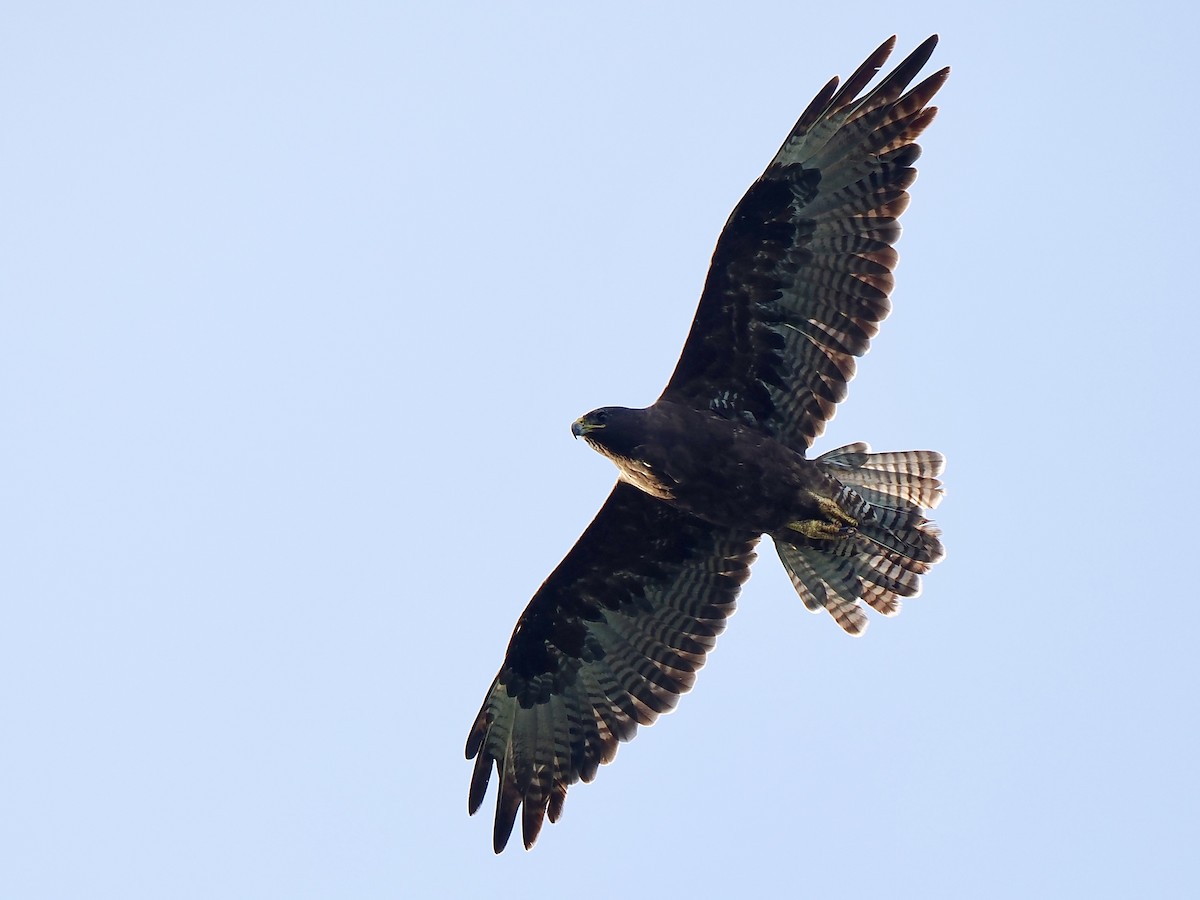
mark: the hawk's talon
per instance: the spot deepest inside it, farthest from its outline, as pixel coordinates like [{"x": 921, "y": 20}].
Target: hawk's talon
[{"x": 820, "y": 530}]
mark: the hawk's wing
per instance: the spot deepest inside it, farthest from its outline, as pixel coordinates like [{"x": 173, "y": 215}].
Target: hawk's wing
[
  {"x": 801, "y": 274},
  {"x": 610, "y": 640}
]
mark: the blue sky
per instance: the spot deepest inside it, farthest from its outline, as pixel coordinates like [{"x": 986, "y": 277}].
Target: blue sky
[{"x": 299, "y": 305}]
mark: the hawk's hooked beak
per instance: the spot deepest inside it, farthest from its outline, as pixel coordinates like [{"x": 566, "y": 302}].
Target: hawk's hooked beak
[{"x": 582, "y": 426}]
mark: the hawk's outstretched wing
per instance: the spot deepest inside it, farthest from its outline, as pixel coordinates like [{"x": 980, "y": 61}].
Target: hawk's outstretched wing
[
  {"x": 801, "y": 274},
  {"x": 612, "y": 638}
]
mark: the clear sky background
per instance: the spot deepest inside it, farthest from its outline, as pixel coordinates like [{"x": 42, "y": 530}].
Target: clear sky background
[{"x": 299, "y": 302}]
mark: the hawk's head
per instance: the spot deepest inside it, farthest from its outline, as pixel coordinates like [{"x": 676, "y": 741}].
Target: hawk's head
[
  {"x": 612, "y": 429},
  {"x": 616, "y": 431}
]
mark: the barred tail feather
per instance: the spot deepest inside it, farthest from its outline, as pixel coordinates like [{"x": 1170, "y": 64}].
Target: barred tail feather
[
  {"x": 892, "y": 547},
  {"x": 821, "y": 583},
  {"x": 907, "y": 479}
]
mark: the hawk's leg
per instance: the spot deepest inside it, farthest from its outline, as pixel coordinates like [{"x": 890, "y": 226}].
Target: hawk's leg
[{"x": 835, "y": 524}]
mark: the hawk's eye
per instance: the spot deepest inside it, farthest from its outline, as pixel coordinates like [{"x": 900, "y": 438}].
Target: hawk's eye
[{"x": 601, "y": 417}]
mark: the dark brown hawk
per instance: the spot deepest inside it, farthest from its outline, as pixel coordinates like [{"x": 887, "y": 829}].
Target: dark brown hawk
[{"x": 798, "y": 285}]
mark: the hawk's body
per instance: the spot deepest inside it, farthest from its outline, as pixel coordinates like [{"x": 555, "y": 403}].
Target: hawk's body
[
  {"x": 720, "y": 470},
  {"x": 799, "y": 281}
]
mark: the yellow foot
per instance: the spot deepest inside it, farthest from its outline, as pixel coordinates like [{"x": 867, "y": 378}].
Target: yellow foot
[
  {"x": 836, "y": 523},
  {"x": 833, "y": 512},
  {"x": 820, "y": 530}
]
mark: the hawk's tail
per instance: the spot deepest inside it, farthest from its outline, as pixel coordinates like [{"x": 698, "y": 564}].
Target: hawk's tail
[{"x": 893, "y": 545}]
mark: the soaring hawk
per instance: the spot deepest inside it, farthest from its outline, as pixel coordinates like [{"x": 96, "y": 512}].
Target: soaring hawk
[{"x": 798, "y": 285}]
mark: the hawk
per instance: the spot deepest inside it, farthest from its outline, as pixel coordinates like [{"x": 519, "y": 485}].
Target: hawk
[{"x": 798, "y": 285}]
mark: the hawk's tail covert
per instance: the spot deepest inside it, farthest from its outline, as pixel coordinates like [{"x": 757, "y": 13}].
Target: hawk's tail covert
[{"x": 893, "y": 545}]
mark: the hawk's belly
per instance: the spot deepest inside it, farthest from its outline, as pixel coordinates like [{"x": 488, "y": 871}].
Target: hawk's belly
[{"x": 730, "y": 475}]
